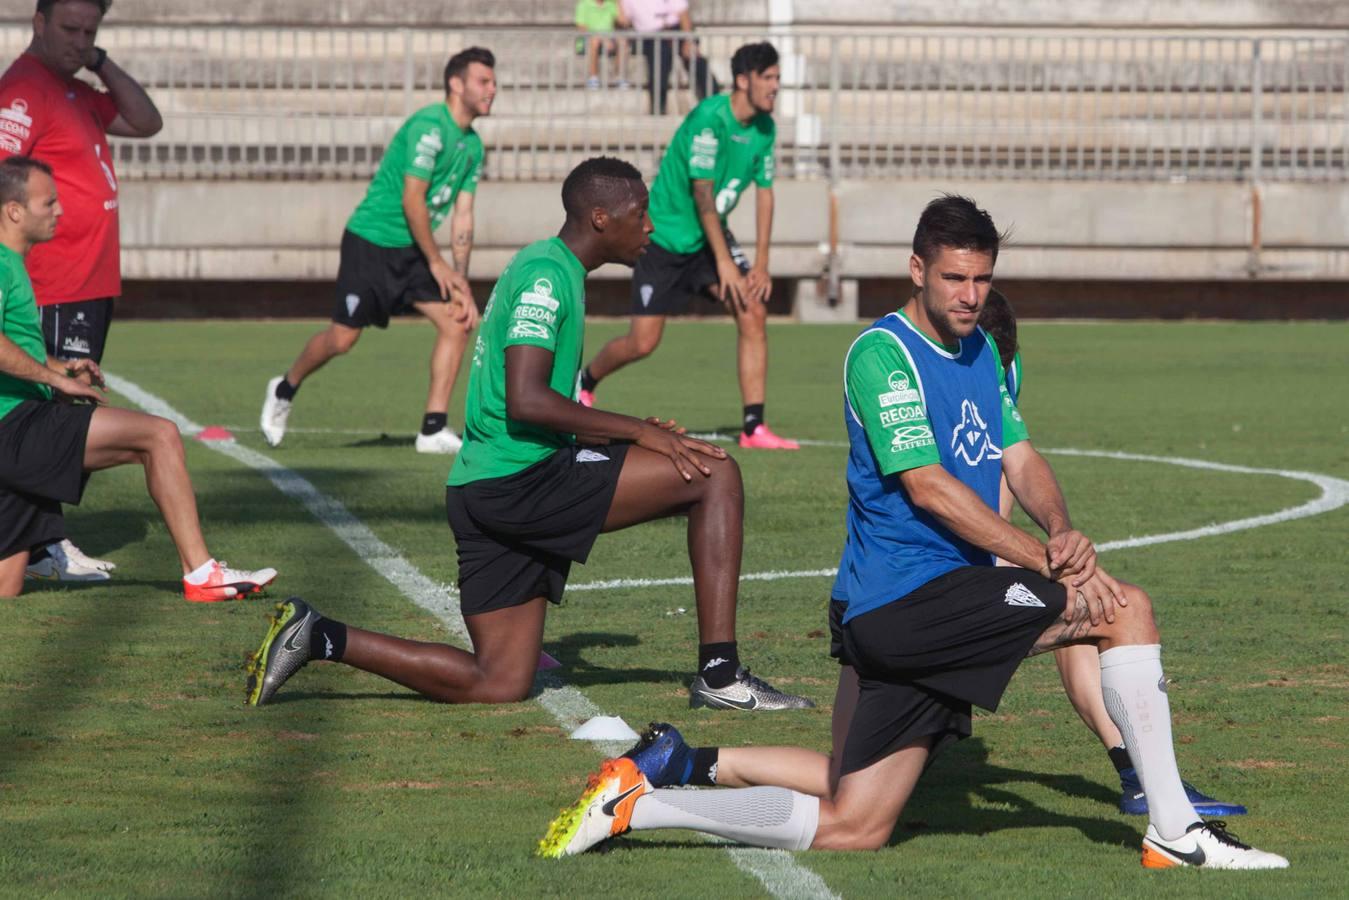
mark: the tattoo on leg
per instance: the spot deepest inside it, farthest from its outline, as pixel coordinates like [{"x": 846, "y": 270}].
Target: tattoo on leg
[{"x": 1071, "y": 628}]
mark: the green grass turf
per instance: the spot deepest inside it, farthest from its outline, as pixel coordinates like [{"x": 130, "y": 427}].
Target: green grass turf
[{"x": 129, "y": 766}]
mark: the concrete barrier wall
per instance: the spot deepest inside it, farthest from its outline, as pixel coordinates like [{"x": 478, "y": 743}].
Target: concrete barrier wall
[{"x": 290, "y": 230}]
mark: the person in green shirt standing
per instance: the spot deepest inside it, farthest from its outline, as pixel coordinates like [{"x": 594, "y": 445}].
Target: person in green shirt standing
[
  {"x": 390, "y": 261},
  {"x": 598, "y": 19},
  {"x": 540, "y": 477},
  {"x": 49, "y": 447},
  {"x": 723, "y": 146}
]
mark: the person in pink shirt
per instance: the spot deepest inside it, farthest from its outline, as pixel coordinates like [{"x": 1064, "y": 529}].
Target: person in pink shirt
[{"x": 653, "y": 20}]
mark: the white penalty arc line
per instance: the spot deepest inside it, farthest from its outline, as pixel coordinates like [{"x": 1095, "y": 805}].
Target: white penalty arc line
[{"x": 779, "y": 873}]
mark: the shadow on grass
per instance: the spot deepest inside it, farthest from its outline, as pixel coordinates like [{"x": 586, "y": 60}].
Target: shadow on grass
[
  {"x": 105, "y": 532},
  {"x": 384, "y": 440},
  {"x": 578, "y": 672}
]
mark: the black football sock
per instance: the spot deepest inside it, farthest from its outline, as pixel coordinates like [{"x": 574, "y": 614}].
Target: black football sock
[
  {"x": 433, "y": 422},
  {"x": 1119, "y": 757},
  {"x": 327, "y": 640},
  {"x": 703, "y": 767},
  {"x": 588, "y": 382},
  {"x": 717, "y": 663},
  {"x": 285, "y": 390},
  {"x": 753, "y": 417}
]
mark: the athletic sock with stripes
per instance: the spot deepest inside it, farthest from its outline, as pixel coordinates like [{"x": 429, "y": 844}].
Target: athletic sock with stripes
[{"x": 758, "y": 816}]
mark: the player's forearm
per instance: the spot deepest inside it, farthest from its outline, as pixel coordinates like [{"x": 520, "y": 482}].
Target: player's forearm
[
  {"x": 18, "y": 364},
  {"x": 763, "y": 225},
  {"x": 961, "y": 510},
  {"x": 133, "y": 103},
  {"x": 461, "y": 241},
  {"x": 419, "y": 226},
  {"x": 1033, "y": 483},
  {"x": 708, "y": 218},
  {"x": 546, "y": 408}
]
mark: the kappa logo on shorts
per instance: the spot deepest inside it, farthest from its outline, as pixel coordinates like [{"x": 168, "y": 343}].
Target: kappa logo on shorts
[
  {"x": 353, "y": 302},
  {"x": 590, "y": 456},
  {"x": 646, "y": 291},
  {"x": 1020, "y": 595}
]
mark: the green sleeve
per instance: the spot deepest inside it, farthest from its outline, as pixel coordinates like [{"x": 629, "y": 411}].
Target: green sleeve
[
  {"x": 763, "y": 165},
  {"x": 470, "y": 185},
  {"x": 537, "y": 305},
  {"x": 423, "y": 143},
  {"x": 884, "y": 396},
  {"x": 1013, "y": 426},
  {"x": 704, "y": 146}
]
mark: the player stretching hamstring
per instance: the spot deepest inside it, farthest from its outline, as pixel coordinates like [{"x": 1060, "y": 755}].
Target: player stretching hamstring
[
  {"x": 525, "y": 500},
  {"x": 725, "y": 143},
  {"x": 931, "y": 625},
  {"x": 49, "y": 448},
  {"x": 390, "y": 260}
]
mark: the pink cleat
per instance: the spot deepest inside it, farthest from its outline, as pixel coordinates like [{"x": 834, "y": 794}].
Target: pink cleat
[
  {"x": 763, "y": 439},
  {"x": 586, "y": 398}
]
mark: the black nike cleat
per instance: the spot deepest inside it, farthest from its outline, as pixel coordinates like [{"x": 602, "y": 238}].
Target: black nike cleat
[
  {"x": 284, "y": 651},
  {"x": 746, "y": 692}
]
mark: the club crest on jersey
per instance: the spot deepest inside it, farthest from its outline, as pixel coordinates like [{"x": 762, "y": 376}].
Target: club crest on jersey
[{"x": 970, "y": 440}]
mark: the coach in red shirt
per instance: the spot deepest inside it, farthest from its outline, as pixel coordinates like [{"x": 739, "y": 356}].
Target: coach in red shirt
[{"x": 49, "y": 114}]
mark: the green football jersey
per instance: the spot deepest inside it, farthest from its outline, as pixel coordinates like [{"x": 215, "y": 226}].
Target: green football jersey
[
  {"x": 20, "y": 323},
  {"x": 429, "y": 146},
  {"x": 539, "y": 301},
  {"x": 710, "y": 144}
]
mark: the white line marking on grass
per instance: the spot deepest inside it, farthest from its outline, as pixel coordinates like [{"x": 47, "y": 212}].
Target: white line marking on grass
[{"x": 780, "y": 874}]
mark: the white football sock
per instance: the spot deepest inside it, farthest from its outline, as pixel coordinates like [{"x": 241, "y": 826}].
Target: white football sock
[
  {"x": 1134, "y": 689},
  {"x": 200, "y": 574},
  {"x": 758, "y": 816}
]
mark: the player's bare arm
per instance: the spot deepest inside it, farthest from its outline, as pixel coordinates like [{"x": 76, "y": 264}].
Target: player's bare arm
[
  {"x": 419, "y": 226},
  {"x": 529, "y": 398},
  {"x": 18, "y": 364},
  {"x": 730, "y": 283},
  {"x": 758, "y": 282},
  {"x": 1033, "y": 483},
  {"x": 461, "y": 246},
  {"x": 934, "y": 490},
  {"x": 137, "y": 115}
]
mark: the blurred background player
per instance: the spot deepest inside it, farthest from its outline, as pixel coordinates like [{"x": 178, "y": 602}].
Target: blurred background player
[
  {"x": 541, "y": 477},
  {"x": 50, "y": 447},
  {"x": 48, "y": 113},
  {"x": 598, "y": 20},
  {"x": 721, "y": 148},
  {"x": 657, "y": 23},
  {"x": 390, "y": 261}
]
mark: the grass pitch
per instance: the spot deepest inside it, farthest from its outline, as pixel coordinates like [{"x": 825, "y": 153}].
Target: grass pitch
[{"x": 129, "y": 766}]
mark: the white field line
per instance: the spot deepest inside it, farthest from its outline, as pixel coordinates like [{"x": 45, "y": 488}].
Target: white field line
[{"x": 779, "y": 873}]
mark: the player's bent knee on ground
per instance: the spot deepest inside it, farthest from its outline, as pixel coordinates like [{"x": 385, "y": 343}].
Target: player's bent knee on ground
[
  {"x": 851, "y": 836},
  {"x": 1136, "y": 621}
]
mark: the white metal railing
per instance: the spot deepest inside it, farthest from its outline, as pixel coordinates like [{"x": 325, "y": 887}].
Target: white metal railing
[{"x": 294, "y": 102}]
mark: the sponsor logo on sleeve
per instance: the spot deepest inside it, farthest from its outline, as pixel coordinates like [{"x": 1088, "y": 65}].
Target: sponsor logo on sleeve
[
  {"x": 10, "y": 143},
  {"x": 768, "y": 165},
  {"x": 970, "y": 440},
  {"x": 537, "y": 313},
  {"x": 17, "y": 112},
  {"x": 543, "y": 287},
  {"x": 910, "y": 437},
  {"x": 526, "y": 329},
  {"x": 704, "y": 150},
  {"x": 903, "y": 415},
  {"x": 900, "y": 391},
  {"x": 534, "y": 298}
]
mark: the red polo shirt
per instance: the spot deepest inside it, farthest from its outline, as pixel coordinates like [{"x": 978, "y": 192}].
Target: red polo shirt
[{"x": 62, "y": 122}]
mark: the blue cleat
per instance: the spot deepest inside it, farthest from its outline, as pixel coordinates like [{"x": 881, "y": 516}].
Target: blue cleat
[
  {"x": 662, "y": 756},
  {"x": 1133, "y": 802}
]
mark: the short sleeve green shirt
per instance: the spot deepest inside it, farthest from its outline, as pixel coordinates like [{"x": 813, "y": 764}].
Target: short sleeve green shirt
[
  {"x": 429, "y": 146},
  {"x": 20, "y": 323},
  {"x": 897, "y": 427},
  {"x": 709, "y": 145},
  {"x": 594, "y": 16},
  {"x": 539, "y": 301}
]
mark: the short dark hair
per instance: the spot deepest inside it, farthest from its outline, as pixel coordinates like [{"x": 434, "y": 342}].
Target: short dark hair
[
  {"x": 601, "y": 181},
  {"x": 956, "y": 223},
  {"x": 45, "y": 6},
  {"x": 999, "y": 320},
  {"x": 14, "y": 173},
  {"x": 753, "y": 58},
  {"x": 459, "y": 63}
]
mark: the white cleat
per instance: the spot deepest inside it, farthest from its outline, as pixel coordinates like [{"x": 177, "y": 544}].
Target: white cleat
[
  {"x": 78, "y": 556},
  {"x": 58, "y": 566},
  {"x": 275, "y": 412},
  {"x": 1206, "y": 845},
  {"x": 443, "y": 441}
]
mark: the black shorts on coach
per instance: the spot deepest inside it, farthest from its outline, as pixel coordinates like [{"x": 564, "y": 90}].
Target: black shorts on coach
[
  {"x": 374, "y": 282},
  {"x": 925, "y": 659},
  {"x": 663, "y": 282},
  {"x": 41, "y": 467},
  {"x": 77, "y": 330},
  {"x": 518, "y": 535}
]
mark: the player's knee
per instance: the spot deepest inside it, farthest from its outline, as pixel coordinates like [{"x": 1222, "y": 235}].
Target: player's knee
[
  {"x": 851, "y": 836},
  {"x": 643, "y": 345},
  {"x": 164, "y": 436},
  {"x": 1138, "y": 616},
  {"x": 504, "y": 689},
  {"x": 341, "y": 340}
]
